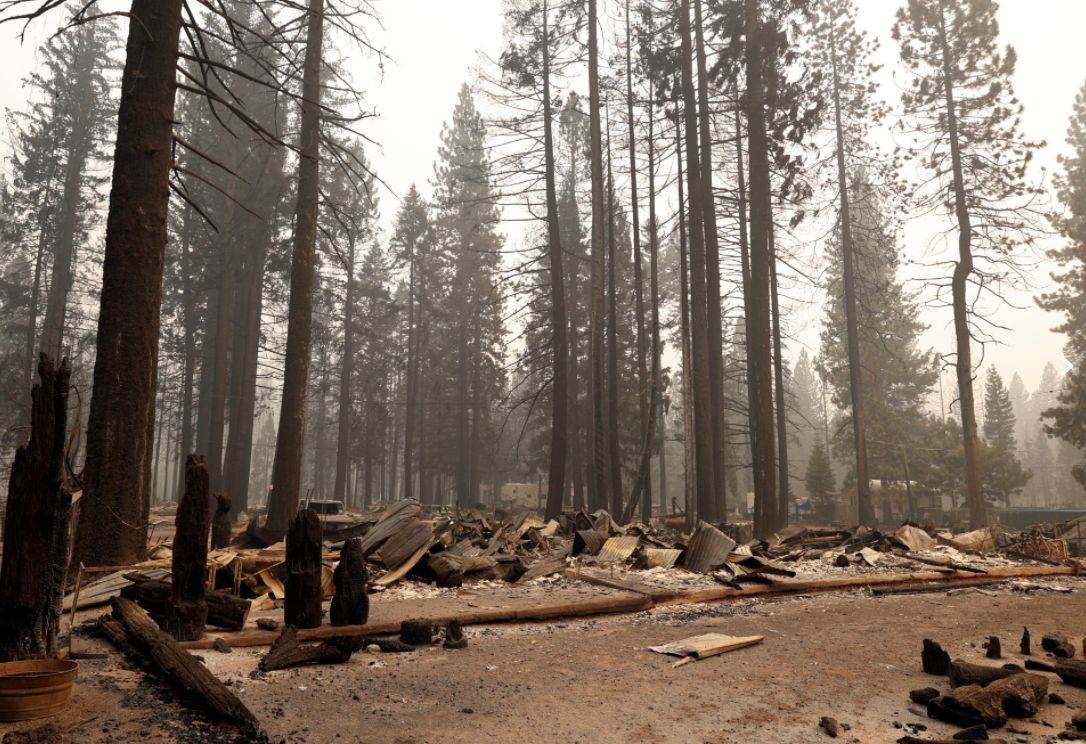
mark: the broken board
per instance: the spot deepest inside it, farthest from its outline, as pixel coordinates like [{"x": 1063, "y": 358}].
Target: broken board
[{"x": 704, "y": 646}]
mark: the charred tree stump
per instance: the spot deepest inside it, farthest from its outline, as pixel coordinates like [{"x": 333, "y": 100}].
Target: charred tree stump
[
  {"x": 223, "y": 610},
  {"x": 934, "y": 659},
  {"x": 454, "y": 636},
  {"x": 37, "y": 531},
  {"x": 287, "y": 652},
  {"x": 1024, "y": 644},
  {"x": 177, "y": 664},
  {"x": 302, "y": 607},
  {"x": 417, "y": 632},
  {"x": 351, "y": 604},
  {"x": 220, "y": 522},
  {"x": 995, "y": 650},
  {"x": 186, "y": 610}
]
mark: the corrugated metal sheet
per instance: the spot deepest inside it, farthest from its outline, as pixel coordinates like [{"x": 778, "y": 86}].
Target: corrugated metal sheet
[
  {"x": 618, "y": 549},
  {"x": 662, "y": 557},
  {"x": 708, "y": 549}
]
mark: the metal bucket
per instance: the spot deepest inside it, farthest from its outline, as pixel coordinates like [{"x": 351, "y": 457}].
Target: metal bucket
[{"x": 35, "y": 688}]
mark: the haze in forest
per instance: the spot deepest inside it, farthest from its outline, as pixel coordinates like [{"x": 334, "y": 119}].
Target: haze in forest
[{"x": 435, "y": 45}]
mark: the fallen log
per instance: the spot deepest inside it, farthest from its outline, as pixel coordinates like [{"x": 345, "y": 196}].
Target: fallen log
[
  {"x": 223, "y": 610},
  {"x": 929, "y": 588},
  {"x": 288, "y": 652},
  {"x": 640, "y": 602},
  {"x": 186, "y": 607},
  {"x": 964, "y": 673},
  {"x": 1071, "y": 671},
  {"x": 178, "y": 665}
]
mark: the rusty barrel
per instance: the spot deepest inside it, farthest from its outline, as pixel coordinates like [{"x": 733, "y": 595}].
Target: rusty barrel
[{"x": 35, "y": 688}]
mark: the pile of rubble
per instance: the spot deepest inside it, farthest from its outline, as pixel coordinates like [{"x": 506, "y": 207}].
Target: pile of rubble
[{"x": 445, "y": 550}]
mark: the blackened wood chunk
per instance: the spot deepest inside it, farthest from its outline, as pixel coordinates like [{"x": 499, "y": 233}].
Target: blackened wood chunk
[
  {"x": 1079, "y": 720},
  {"x": 1024, "y": 644},
  {"x": 934, "y": 659},
  {"x": 924, "y": 695},
  {"x": 37, "y": 525},
  {"x": 302, "y": 605},
  {"x": 351, "y": 604},
  {"x": 1017, "y": 696},
  {"x": 287, "y": 652},
  {"x": 454, "y": 636},
  {"x": 1058, "y": 645},
  {"x": 994, "y": 649},
  {"x": 220, "y": 523},
  {"x": 830, "y": 726},
  {"x": 417, "y": 632},
  {"x": 186, "y": 610}
]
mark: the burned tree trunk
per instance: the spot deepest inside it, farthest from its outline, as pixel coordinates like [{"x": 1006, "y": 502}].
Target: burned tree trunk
[
  {"x": 287, "y": 468},
  {"x": 36, "y": 526},
  {"x": 120, "y": 428},
  {"x": 220, "y": 523},
  {"x": 186, "y": 612},
  {"x": 302, "y": 608},
  {"x": 351, "y": 604}
]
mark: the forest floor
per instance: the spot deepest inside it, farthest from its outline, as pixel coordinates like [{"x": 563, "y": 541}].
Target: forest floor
[{"x": 851, "y": 656}]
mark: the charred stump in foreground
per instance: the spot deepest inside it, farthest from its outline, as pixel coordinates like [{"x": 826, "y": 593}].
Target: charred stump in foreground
[
  {"x": 37, "y": 530},
  {"x": 186, "y": 611},
  {"x": 220, "y": 522},
  {"x": 302, "y": 605},
  {"x": 351, "y": 604}
]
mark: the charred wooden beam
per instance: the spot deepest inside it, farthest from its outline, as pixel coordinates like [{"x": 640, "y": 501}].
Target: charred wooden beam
[{"x": 178, "y": 665}]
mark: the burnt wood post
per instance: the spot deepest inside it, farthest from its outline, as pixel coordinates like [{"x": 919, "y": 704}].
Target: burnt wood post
[
  {"x": 36, "y": 525},
  {"x": 186, "y": 611},
  {"x": 302, "y": 608},
  {"x": 220, "y": 523},
  {"x": 351, "y": 604}
]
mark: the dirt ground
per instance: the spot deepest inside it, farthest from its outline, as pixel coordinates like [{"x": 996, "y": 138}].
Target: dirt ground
[{"x": 850, "y": 656}]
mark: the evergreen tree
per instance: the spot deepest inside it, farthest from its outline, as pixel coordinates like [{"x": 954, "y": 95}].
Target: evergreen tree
[
  {"x": 466, "y": 220},
  {"x": 1066, "y": 416},
  {"x": 962, "y": 101},
  {"x": 896, "y": 373},
  {"x": 821, "y": 487},
  {"x": 999, "y": 420}
]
